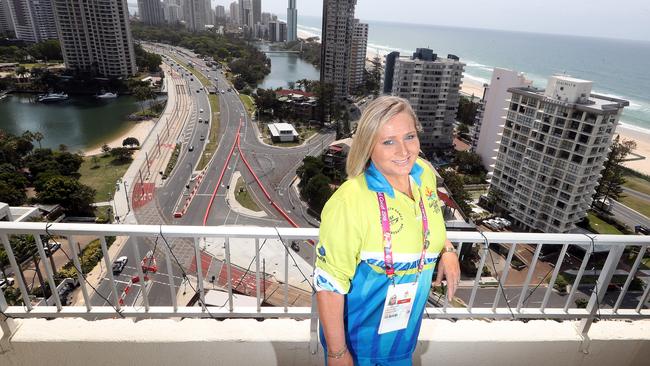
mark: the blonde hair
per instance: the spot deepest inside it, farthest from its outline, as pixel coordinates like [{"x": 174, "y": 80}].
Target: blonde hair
[{"x": 378, "y": 112}]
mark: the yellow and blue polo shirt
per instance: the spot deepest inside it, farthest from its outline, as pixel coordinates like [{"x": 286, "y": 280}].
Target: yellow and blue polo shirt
[{"x": 350, "y": 257}]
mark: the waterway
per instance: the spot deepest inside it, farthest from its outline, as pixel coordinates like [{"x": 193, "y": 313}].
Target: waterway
[
  {"x": 286, "y": 68},
  {"x": 78, "y": 123}
]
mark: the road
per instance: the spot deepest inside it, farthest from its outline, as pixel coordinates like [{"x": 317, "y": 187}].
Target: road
[{"x": 628, "y": 216}]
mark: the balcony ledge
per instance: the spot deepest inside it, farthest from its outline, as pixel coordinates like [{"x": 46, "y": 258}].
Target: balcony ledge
[{"x": 286, "y": 342}]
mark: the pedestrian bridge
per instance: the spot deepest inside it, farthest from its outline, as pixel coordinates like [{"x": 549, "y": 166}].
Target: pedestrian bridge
[{"x": 533, "y": 321}]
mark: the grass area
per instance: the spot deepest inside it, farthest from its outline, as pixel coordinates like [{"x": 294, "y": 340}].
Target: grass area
[
  {"x": 637, "y": 184},
  {"x": 600, "y": 226},
  {"x": 243, "y": 197},
  {"x": 104, "y": 214},
  {"x": 172, "y": 161},
  {"x": 248, "y": 103},
  {"x": 212, "y": 144},
  {"x": 194, "y": 72},
  {"x": 640, "y": 205},
  {"x": 41, "y": 65},
  {"x": 101, "y": 173}
]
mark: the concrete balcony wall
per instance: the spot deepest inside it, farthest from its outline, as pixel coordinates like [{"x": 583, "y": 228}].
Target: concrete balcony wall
[{"x": 195, "y": 342}]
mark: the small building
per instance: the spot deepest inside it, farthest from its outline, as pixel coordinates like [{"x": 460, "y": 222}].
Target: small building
[
  {"x": 302, "y": 104},
  {"x": 335, "y": 156},
  {"x": 282, "y": 132}
]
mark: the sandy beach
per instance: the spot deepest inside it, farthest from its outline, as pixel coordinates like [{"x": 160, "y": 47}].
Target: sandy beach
[
  {"x": 140, "y": 130},
  {"x": 642, "y": 148}
]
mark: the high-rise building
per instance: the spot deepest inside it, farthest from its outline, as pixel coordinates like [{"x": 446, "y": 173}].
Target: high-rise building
[
  {"x": 173, "y": 11},
  {"x": 282, "y": 34},
  {"x": 6, "y": 23},
  {"x": 220, "y": 12},
  {"x": 490, "y": 117},
  {"x": 194, "y": 14},
  {"x": 552, "y": 151},
  {"x": 208, "y": 13},
  {"x": 338, "y": 26},
  {"x": 266, "y": 18},
  {"x": 389, "y": 70},
  {"x": 247, "y": 13},
  {"x": 234, "y": 12},
  {"x": 432, "y": 85},
  {"x": 277, "y": 31},
  {"x": 358, "y": 54},
  {"x": 292, "y": 21},
  {"x": 96, "y": 36},
  {"x": 151, "y": 11},
  {"x": 33, "y": 20},
  {"x": 257, "y": 11}
]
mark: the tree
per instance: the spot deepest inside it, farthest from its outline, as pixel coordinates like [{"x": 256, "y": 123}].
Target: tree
[
  {"x": 38, "y": 136},
  {"x": 130, "y": 141},
  {"x": 11, "y": 195},
  {"x": 468, "y": 162},
  {"x": 612, "y": 178},
  {"x": 318, "y": 191},
  {"x": 311, "y": 166},
  {"x": 455, "y": 185},
  {"x": 20, "y": 71},
  {"x": 142, "y": 94},
  {"x": 466, "y": 111},
  {"x": 106, "y": 149},
  {"x": 122, "y": 154},
  {"x": 67, "y": 192},
  {"x": 95, "y": 161}
]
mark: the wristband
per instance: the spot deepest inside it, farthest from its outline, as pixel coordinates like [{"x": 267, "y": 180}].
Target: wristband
[
  {"x": 339, "y": 354},
  {"x": 447, "y": 250}
]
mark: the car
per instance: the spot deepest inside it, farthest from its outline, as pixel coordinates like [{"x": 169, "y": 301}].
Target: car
[
  {"x": 201, "y": 110},
  {"x": 229, "y": 89},
  {"x": 198, "y": 90},
  {"x": 191, "y": 148},
  {"x": 119, "y": 264},
  {"x": 191, "y": 79},
  {"x": 223, "y": 91},
  {"x": 5, "y": 282},
  {"x": 200, "y": 120},
  {"x": 641, "y": 229},
  {"x": 51, "y": 247},
  {"x": 202, "y": 137}
]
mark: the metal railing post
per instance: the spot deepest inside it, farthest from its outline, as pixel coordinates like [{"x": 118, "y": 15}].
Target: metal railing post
[{"x": 593, "y": 307}]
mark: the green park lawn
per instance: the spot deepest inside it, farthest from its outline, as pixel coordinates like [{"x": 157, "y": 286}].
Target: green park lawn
[
  {"x": 213, "y": 142},
  {"x": 242, "y": 195},
  {"x": 638, "y": 204},
  {"x": 637, "y": 184},
  {"x": 102, "y": 176},
  {"x": 600, "y": 226},
  {"x": 248, "y": 103}
]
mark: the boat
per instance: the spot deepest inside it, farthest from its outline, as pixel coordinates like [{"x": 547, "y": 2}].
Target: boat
[
  {"x": 108, "y": 95},
  {"x": 3, "y": 95},
  {"x": 52, "y": 97}
]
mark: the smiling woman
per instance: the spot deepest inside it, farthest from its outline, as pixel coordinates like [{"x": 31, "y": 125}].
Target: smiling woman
[{"x": 381, "y": 236}]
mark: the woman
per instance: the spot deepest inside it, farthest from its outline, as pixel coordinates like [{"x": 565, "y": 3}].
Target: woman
[{"x": 381, "y": 235}]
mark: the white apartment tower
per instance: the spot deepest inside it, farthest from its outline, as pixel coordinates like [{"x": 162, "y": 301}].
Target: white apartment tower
[
  {"x": 552, "y": 151},
  {"x": 194, "y": 14},
  {"x": 173, "y": 11},
  {"x": 151, "y": 11},
  {"x": 292, "y": 21},
  {"x": 33, "y": 20},
  {"x": 486, "y": 132},
  {"x": 234, "y": 12},
  {"x": 338, "y": 27},
  {"x": 96, "y": 36},
  {"x": 432, "y": 85},
  {"x": 358, "y": 54},
  {"x": 220, "y": 12}
]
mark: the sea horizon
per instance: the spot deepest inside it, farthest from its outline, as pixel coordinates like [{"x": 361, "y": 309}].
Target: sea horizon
[{"x": 537, "y": 55}]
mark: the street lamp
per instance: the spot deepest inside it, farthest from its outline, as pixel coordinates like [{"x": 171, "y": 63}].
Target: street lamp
[{"x": 126, "y": 195}]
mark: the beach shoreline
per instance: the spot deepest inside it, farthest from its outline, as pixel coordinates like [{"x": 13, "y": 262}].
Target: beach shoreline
[{"x": 139, "y": 130}]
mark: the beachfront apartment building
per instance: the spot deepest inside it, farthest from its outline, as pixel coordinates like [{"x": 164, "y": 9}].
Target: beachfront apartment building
[
  {"x": 33, "y": 20},
  {"x": 151, "y": 12},
  {"x": 96, "y": 36},
  {"x": 6, "y": 23},
  {"x": 491, "y": 114},
  {"x": 292, "y": 21},
  {"x": 358, "y": 54},
  {"x": 336, "y": 48},
  {"x": 552, "y": 151},
  {"x": 432, "y": 85}
]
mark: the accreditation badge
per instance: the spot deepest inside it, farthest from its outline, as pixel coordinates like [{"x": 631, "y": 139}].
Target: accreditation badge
[{"x": 397, "y": 307}]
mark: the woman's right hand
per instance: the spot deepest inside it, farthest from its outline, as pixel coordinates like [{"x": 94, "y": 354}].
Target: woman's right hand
[{"x": 345, "y": 360}]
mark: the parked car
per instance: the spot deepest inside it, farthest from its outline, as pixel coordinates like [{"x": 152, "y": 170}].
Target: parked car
[
  {"x": 119, "y": 264},
  {"x": 641, "y": 229},
  {"x": 51, "y": 247},
  {"x": 5, "y": 282}
]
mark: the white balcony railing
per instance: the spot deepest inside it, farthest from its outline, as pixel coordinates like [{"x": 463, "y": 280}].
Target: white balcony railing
[{"x": 532, "y": 297}]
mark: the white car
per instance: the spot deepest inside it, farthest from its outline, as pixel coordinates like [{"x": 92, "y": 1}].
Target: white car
[
  {"x": 119, "y": 264},
  {"x": 201, "y": 110},
  {"x": 5, "y": 282}
]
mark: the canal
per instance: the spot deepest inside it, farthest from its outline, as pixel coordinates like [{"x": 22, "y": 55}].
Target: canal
[
  {"x": 79, "y": 122},
  {"x": 286, "y": 68}
]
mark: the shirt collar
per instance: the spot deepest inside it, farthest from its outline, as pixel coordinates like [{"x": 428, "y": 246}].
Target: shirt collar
[{"x": 378, "y": 183}]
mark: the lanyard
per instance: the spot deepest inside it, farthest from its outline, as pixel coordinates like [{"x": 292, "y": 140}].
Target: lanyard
[{"x": 388, "y": 244}]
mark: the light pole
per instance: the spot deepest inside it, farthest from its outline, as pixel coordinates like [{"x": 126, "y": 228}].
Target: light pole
[{"x": 126, "y": 195}]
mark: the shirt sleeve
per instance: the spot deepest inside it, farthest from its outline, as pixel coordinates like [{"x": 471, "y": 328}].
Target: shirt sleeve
[{"x": 339, "y": 246}]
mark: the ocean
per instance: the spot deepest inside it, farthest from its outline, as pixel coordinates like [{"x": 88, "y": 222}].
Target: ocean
[{"x": 618, "y": 68}]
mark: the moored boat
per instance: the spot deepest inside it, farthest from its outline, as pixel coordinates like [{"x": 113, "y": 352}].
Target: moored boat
[{"x": 52, "y": 97}]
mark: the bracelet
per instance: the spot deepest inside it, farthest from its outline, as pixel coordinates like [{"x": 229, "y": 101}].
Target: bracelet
[
  {"x": 447, "y": 250},
  {"x": 339, "y": 354}
]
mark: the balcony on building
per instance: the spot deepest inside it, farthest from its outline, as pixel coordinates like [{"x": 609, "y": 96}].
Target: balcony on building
[{"x": 517, "y": 304}]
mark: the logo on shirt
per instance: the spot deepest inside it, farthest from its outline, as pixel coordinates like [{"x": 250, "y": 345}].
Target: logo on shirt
[
  {"x": 396, "y": 220},
  {"x": 321, "y": 253},
  {"x": 432, "y": 199}
]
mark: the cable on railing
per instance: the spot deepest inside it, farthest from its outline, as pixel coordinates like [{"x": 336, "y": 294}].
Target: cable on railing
[
  {"x": 503, "y": 292},
  {"x": 593, "y": 250},
  {"x": 79, "y": 271}
]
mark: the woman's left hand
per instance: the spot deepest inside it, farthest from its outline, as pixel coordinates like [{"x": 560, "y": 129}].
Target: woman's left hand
[{"x": 448, "y": 269}]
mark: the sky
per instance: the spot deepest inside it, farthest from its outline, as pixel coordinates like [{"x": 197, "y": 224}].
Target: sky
[{"x": 627, "y": 19}]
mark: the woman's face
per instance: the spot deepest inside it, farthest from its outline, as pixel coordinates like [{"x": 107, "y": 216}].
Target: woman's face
[{"x": 396, "y": 148}]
